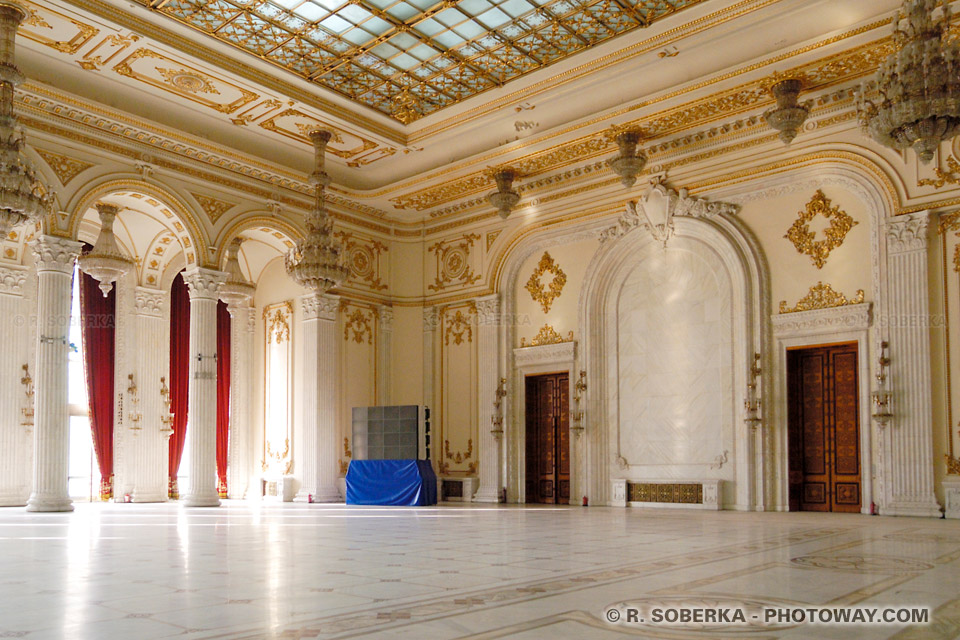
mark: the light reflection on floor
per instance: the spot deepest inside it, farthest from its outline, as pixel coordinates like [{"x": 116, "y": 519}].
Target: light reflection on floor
[{"x": 253, "y": 571}]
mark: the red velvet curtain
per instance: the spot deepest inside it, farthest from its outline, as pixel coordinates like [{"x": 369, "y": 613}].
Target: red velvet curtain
[
  {"x": 223, "y": 395},
  {"x": 179, "y": 375},
  {"x": 97, "y": 315}
]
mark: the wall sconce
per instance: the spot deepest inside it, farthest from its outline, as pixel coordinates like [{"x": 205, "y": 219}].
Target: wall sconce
[
  {"x": 166, "y": 418},
  {"x": 28, "y": 391},
  {"x": 881, "y": 395},
  {"x": 751, "y": 404},
  {"x": 134, "y": 415},
  {"x": 504, "y": 199},
  {"x": 576, "y": 416},
  {"x": 789, "y": 115},
  {"x": 629, "y": 162},
  {"x": 497, "y": 417}
]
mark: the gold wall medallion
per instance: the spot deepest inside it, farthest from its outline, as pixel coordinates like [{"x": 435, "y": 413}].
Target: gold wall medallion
[
  {"x": 821, "y": 296},
  {"x": 547, "y": 335},
  {"x": 805, "y": 240},
  {"x": 363, "y": 257},
  {"x": 453, "y": 262},
  {"x": 546, "y": 293}
]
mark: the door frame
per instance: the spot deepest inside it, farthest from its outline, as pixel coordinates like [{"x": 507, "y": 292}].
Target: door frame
[
  {"x": 535, "y": 361},
  {"x": 570, "y": 436},
  {"x": 822, "y": 327}
]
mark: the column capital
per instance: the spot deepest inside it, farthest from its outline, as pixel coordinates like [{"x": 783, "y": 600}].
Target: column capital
[
  {"x": 204, "y": 284},
  {"x": 908, "y": 232},
  {"x": 322, "y": 306},
  {"x": 53, "y": 253},
  {"x": 12, "y": 279},
  {"x": 431, "y": 319},
  {"x": 150, "y": 302},
  {"x": 488, "y": 309},
  {"x": 385, "y": 317}
]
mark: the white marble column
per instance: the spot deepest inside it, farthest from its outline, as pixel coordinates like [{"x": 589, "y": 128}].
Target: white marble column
[
  {"x": 431, "y": 322},
  {"x": 149, "y": 448},
  {"x": 320, "y": 359},
  {"x": 909, "y": 478},
  {"x": 242, "y": 323},
  {"x": 203, "y": 285},
  {"x": 488, "y": 376},
  {"x": 54, "y": 259},
  {"x": 384, "y": 354},
  {"x": 16, "y": 423}
]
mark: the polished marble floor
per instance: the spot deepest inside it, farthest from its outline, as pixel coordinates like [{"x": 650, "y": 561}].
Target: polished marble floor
[{"x": 251, "y": 571}]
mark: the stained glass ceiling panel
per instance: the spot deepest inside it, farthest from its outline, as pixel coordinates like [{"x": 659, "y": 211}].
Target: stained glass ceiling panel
[{"x": 411, "y": 58}]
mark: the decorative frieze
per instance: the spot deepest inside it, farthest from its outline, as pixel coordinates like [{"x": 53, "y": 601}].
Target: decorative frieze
[
  {"x": 856, "y": 317},
  {"x": 547, "y": 335}
]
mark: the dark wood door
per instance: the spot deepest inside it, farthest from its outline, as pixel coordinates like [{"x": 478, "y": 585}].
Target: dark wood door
[
  {"x": 824, "y": 429},
  {"x": 548, "y": 439}
]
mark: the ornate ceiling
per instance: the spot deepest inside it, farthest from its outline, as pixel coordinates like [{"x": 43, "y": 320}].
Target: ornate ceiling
[{"x": 410, "y": 58}]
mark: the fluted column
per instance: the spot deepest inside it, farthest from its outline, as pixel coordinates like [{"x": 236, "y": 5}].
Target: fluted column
[
  {"x": 488, "y": 376},
  {"x": 320, "y": 358},
  {"x": 150, "y": 456},
  {"x": 241, "y": 398},
  {"x": 54, "y": 259},
  {"x": 203, "y": 285},
  {"x": 384, "y": 354},
  {"x": 16, "y": 423},
  {"x": 909, "y": 478}
]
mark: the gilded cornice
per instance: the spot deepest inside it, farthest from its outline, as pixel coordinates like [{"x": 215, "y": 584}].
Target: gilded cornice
[{"x": 149, "y": 29}]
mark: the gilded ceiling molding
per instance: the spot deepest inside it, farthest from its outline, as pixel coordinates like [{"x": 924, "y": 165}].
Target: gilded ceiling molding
[
  {"x": 65, "y": 168},
  {"x": 800, "y": 235},
  {"x": 545, "y": 294},
  {"x": 37, "y": 27},
  {"x": 952, "y": 176},
  {"x": 821, "y": 296}
]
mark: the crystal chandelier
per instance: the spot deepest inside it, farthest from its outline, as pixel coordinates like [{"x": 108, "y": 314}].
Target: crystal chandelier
[
  {"x": 919, "y": 83},
  {"x": 235, "y": 289},
  {"x": 629, "y": 162},
  {"x": 789, "y": 115},
  {"x": 504, "y": 199},
  {"x": 315, "y": 261},
  {"x": 20, "y": 197},
  {"x": 105, "y": 262}
]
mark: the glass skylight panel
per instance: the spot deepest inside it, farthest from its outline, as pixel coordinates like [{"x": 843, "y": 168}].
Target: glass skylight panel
[
  {"x": 357, "y": 36},
  {"x": 449, "y": 17},
  {"x": 329, "y": 5},
  {"x": 448, "y": 39},
  {"x": 335, "y": 24},
  {"x": 310, "y": 12},
  {"x": 423, "y": 52},
  {"x": 354, "y": 13},
  {"x": 473, "y": 7},
  {"x": 404, "y": 61},
  {"x": 384, "y": 50},
  {"x": 376, "y": 26},
  {"x": 403, "y": 11},
  {"x": 429, "y": 27},
  {"x": 403, "y": 41},
  {"x": 516, "y": 8},
  {"x": 288, "y": 4},
  {"x": 469, "y": 29},
  {"x": 493, "y": 18}
]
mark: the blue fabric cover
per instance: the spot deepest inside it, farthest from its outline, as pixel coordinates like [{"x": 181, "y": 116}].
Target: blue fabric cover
[{"x": 404, "y": 483}]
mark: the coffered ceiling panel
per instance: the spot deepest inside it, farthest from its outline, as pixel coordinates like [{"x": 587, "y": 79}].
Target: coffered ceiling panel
[{"x": 411, "y": 58}]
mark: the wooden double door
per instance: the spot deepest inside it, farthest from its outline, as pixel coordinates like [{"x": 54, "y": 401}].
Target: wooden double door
[
  {"x": 548, "y": 438},
  {"x": 824, "y": 428}
]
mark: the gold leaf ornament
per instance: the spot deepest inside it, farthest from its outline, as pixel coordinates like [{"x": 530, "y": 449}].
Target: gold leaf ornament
[
  {"x": 546, "y": 293},
  {"x": 805, "y": 239}
]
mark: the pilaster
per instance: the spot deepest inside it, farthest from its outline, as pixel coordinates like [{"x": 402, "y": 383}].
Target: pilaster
[
  {"x": 54, "y": 259},
  {"x": 241, "y": 398},
  {"x": 16, "y": 406},
  {"x": 488, "y": 376},
  {"x": 909, "y": 436},
  {"x": 203, "y": 285},
  {"x": 320, "y": 446},
  {"x": 384, "y": 354}
]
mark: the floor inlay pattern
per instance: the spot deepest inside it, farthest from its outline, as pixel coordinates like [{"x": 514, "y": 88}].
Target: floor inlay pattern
[{"x": 251, "y": 571}]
